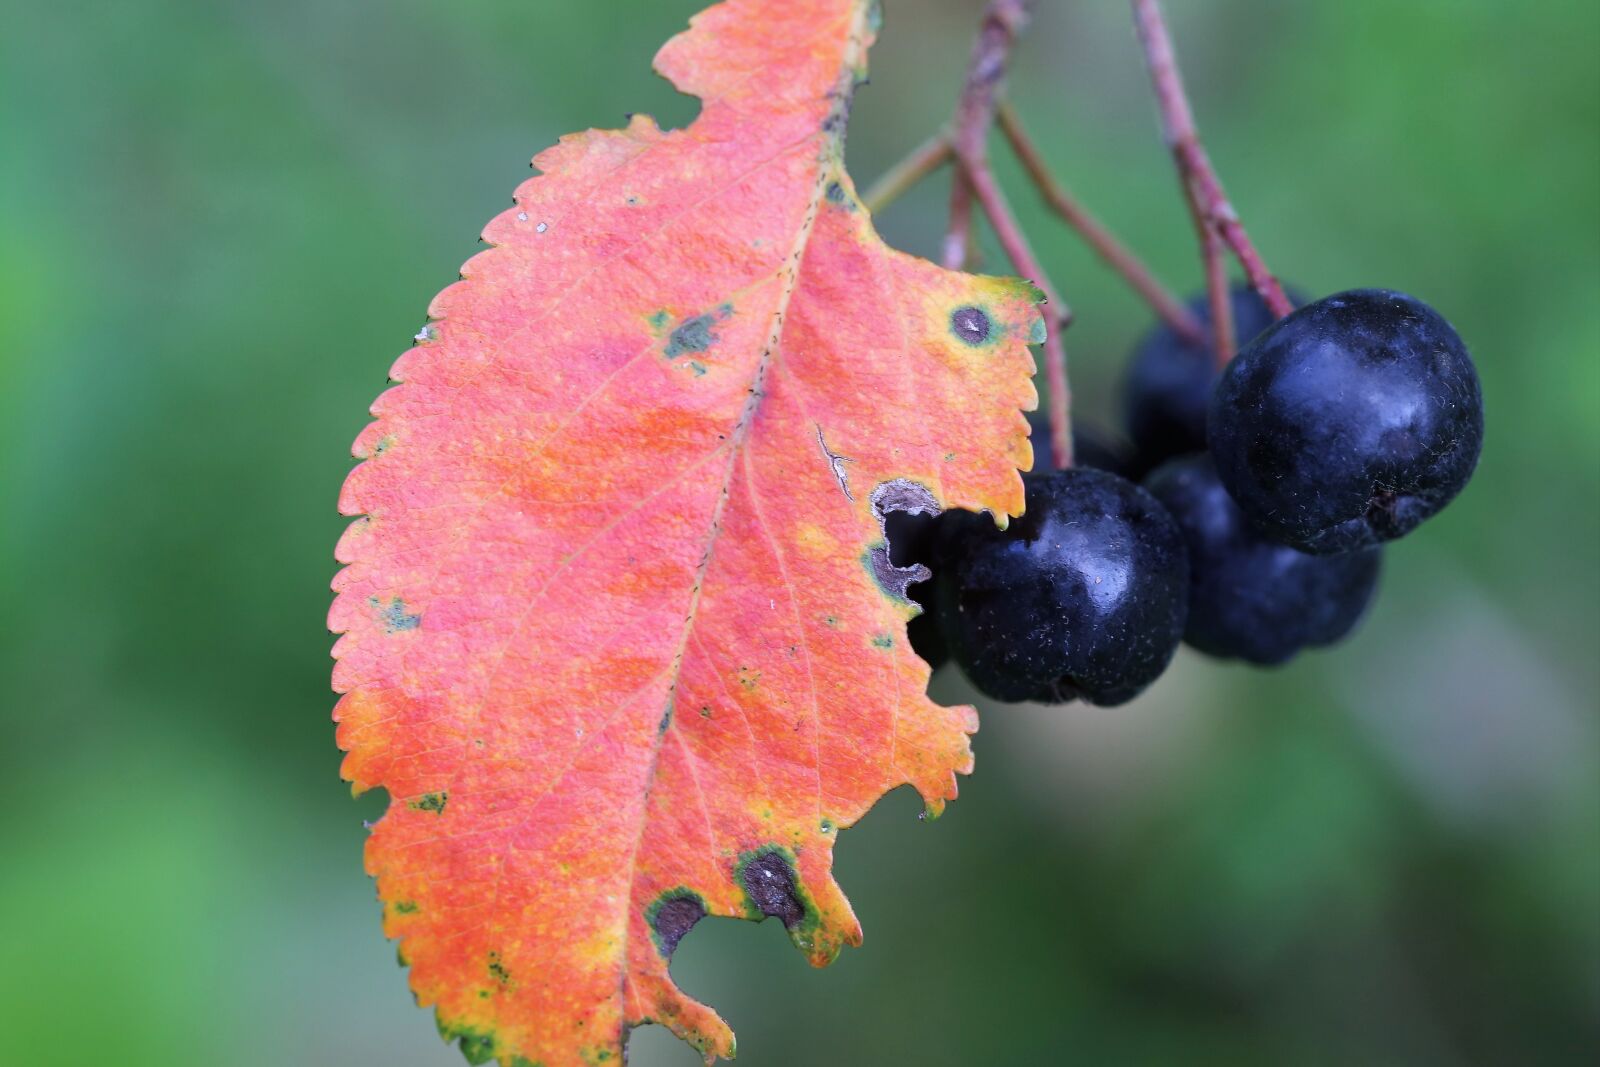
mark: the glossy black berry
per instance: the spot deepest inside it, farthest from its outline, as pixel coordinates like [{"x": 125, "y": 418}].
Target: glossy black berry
[
  {"x": 1083, "y": 597},
  {"x": 1166, "y": 391},
  {"x": 1349, "y": 422},
  {"x": 1250, "y": 597},
  {"x": 912, "y": 538}
]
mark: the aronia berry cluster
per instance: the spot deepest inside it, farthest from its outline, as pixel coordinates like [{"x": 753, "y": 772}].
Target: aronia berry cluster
[{"x": 1247, "y": 518}]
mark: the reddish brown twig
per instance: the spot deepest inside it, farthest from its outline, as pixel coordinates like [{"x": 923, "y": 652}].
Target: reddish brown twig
[
  {"x": 928, "y": 157},
  {"x": 1219, "y": 298},
  {"x": 1105, "y": 244},
  {"x": 1003, "y": 22},
  {"x": 958, "y": 232},
  {"x": 1203, "y": 189},
  {"x": 1057, "y": 315}
]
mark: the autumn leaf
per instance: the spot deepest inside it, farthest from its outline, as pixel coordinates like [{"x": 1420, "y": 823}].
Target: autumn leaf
[{"x": 622, "y": 638}]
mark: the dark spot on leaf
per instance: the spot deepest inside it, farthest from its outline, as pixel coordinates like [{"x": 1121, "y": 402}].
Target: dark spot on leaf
[
  {"x": 770, "y": 884},
  {"x": 433, "y": 802},
  {"x": 693, "y": 335},
  {"x": 497, "y": 970},
  {"x": 672, "y": 915},
  {"x": 405, "y": 907},
  {"x": 835, "y": 193},
  {"x": 883, "y": 641},
  {"x": 970, "y": 324}
]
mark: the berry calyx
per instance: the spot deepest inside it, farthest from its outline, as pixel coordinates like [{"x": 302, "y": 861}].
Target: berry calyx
[
  {"x": 1349, "y": 422},
  {"x": 1251, "y": 598},
  {"x": 1082, "y": 597}
]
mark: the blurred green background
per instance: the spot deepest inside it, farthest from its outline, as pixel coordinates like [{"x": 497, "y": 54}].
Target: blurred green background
[{"x": 222, "y": 221}]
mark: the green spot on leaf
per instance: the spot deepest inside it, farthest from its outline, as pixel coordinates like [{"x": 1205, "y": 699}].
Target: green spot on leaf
[{"x": 476, "y": 1045}]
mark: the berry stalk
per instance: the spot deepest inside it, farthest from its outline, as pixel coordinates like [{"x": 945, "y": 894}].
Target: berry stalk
[
  {"x": 926, "y": 158},
  {"x": 1105, "y": 244},
  {"x": 1219, "y": 297},
  {"x": 1003, "y": 22},
  {"x": 1208, "y": 201}
]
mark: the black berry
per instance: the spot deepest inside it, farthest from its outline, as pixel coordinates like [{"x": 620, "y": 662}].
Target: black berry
[
  {"x": 912, "y": 538},
  {"x": 1083, "y": 597},
  {"x": 1251, "y": 598},
  {"x": 1167, "y": 389},
  {"x": 1349, "y": 422}
]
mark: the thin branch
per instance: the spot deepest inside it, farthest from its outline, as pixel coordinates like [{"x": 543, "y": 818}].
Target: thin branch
[
  {"x": 1219, "y": 298},
  {"x": 928, "y": 157},
  {"x": 1003, "y": 22},
  {"x": 1210, "y": 202},
  {"x": 993, "y": 200},
  {"x": 1105, "y": 244},
  {"x": 958, "y": 233}
]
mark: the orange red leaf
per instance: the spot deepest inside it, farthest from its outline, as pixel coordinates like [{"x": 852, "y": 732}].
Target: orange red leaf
[{"x": 621, "y": 635}]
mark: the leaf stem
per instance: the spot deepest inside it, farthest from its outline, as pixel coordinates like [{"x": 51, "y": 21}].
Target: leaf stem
[
  {"x": 1215, "y": 218},
  {"x": 926, "y": 158},
  {"x": 1118, "y": 256}
]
